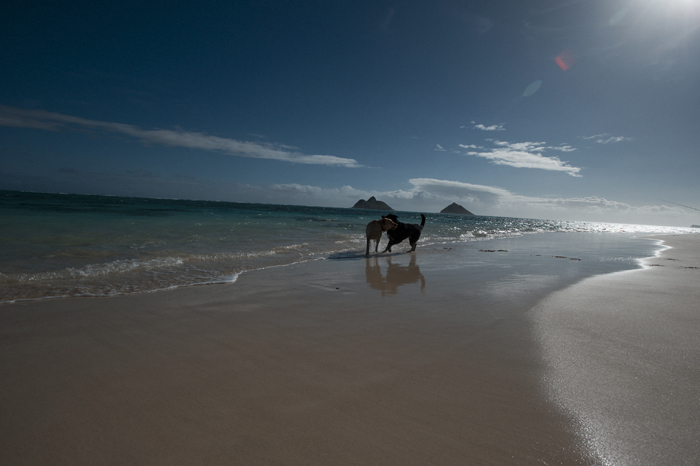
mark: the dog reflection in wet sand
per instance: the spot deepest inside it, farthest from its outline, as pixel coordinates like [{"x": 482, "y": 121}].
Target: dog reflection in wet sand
[
  {"x": 396, "y": 275},
  {"x": 375, "y": 228}
]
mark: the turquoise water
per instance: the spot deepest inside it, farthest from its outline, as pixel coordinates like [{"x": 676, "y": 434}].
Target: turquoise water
[{"x": 57, "y": 245}]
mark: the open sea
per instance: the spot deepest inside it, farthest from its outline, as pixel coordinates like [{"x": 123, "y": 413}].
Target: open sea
[{"x": 60, "y": 245}]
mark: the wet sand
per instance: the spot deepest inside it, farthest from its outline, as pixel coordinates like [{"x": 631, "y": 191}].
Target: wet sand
[
  {"x": 402, "y": 359},
  {"x": 623, "y": 355}
]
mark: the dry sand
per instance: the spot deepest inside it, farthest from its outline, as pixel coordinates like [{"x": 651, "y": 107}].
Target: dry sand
[
  {"x": 326, "y": 363},
  {"x": 623, "y": 352}
]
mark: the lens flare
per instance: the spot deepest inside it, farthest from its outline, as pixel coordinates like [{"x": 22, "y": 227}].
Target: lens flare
[
  {"x": 565, "y": 60},
  {"x": 532, "y": 88}
]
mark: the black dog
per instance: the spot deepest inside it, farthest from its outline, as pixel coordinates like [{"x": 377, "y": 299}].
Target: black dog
[{"x": 411, "y": 231}]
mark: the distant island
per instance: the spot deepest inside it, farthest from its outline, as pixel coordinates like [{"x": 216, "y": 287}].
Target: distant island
[
  {"x": 371, "y": 203},
  {"x": 455, "y": 208},
  {"x": 694, "y": 226}
]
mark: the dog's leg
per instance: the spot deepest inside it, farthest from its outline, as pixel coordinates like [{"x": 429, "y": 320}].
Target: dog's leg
[{"x": 367, "y": 252}]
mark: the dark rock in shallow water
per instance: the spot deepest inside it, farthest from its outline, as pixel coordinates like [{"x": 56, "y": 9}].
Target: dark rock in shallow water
[
  {"x": 455, "y": 208},
  {"x": 371, "y": 203}
]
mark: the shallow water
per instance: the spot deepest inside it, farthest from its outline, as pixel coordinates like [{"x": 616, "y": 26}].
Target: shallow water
[{"x": 57, "y": 245}]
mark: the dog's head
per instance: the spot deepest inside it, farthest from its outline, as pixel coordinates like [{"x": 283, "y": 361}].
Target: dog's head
[
  {"x": 393, "y": 218},
  {"x": 387, "y": 223}
]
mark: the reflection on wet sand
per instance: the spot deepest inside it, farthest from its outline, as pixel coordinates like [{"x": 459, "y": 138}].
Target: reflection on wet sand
[{"x": 396, "y": 275}]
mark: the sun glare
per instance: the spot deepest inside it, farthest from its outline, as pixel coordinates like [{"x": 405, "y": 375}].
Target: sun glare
[
  {"x": 685, "y": 11},
  {"x": 681, "y": 6}
]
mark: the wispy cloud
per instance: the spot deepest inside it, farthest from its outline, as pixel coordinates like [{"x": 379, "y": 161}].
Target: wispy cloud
[
  {"x": 500, "y": 127},
  {"x": 562, "y": 147},
  {"x": 606, "y": 138},
  {"x": 388, "y": 18},
  {"x": 439, "y": 148},
  {"x": 41, "y": 119},
  {"x": 526, "y": 155}
]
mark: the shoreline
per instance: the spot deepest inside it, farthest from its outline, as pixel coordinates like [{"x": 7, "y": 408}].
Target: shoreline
[
  {"x": 399, "y": 359},
  {"x": 623, "y": 357},
  {"x": 51, "y": 274}
]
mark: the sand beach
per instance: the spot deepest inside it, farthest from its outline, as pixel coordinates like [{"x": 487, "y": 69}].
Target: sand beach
[
  {"x": 399, "y": 359},
  {"x": 623, "y": 357}
]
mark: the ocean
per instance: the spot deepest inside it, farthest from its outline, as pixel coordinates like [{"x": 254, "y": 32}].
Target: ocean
[{"x": 61, "y": 245}]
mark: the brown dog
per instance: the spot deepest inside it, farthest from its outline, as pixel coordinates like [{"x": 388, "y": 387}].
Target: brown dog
[{"x": 375, "y": 228}]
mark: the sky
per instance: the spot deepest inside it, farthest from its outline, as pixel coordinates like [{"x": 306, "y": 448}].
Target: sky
[{"x": 567, "y": 110}]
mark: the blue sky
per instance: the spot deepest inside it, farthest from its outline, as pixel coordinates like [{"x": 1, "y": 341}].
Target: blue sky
[{"x": 573, "y": 110}]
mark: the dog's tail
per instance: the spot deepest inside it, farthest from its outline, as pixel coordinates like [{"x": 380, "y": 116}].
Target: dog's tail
[{"x": 422, "y": 223}]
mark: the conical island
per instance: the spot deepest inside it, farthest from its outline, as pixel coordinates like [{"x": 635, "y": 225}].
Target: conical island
[
  {"x": 455, "y": 208},
  {"x": 371, "y": 203}
]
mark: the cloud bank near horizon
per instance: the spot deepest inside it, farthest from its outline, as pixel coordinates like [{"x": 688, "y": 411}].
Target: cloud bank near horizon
[
  {"x": 430, "y": 194},
  {"x": 42, "y": 119},
  {"x": 425, "y": 194},
  {"x": 433, "y": 195}
]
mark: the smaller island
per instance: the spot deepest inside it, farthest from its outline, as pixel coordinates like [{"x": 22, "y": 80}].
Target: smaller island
[
  {"x": 455, "y": 208},
  {"x": 371, "y": 203}
]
